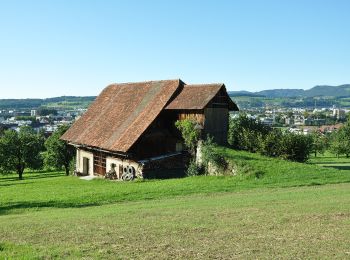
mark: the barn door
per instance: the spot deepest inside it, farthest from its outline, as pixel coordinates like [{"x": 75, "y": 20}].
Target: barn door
[
  {"x": 85, "y": 165},
  {"x": 100, "y": 163}
]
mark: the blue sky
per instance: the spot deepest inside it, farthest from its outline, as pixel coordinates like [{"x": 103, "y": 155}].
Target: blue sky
[{"x": 55, "y": 48}]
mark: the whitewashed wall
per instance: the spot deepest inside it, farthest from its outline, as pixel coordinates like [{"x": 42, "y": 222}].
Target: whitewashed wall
[
  {"x": 79, "y": 161},
  {"x": 123, "y": 163}
]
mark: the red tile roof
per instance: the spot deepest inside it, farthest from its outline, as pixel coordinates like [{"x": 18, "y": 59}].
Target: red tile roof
[
  {"x": 198, "y": 96},
  {"x": 120, "y": 114}
]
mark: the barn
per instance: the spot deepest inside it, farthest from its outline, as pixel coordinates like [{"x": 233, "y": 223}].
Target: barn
[{"x": 130, "y": 128}]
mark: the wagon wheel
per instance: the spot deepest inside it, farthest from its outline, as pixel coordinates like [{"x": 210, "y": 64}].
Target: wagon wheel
[{"x": 128, "y": 173}]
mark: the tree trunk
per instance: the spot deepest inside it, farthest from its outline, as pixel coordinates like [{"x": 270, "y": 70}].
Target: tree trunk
[
  {"x": 20, "y": 170},
  {"x": 66, "y": 167}
]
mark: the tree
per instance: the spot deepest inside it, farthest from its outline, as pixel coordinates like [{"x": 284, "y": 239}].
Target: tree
[
  {"x": 295, "y": 147},
  {"x": 340, "y": 141},
  {"x": 45, "y": 111},
  {"x": 319, "y": 143},
  {"x": 58, "y": 153},
  {"x": 190, "y": 133},
  {"x": 270, "y": 145},
  {"x": 244, "y": 133},
  {"x": 19, "y": 150}
]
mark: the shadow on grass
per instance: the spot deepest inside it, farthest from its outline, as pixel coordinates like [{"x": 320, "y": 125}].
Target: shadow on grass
[
  {"x": 14, "y": 183},
  {"x": 165, "y": 174},
  {"x": 339, "y": 167},
  {"x": 21, "y": 206},
  {"x": 331, "y": 162},
  {"x": 31, "y": 176}
]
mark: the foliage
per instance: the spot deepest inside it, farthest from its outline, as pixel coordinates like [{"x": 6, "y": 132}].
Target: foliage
[
  {"x": 319, "y": 143},
  {"x": 244, "y": 133},
  {"x": 210, "y": 157},
  {"x": 58, "y": 153},
  {"x": 189, "y": 132},
  {"x": 295, "y": 147},
  {"x": 19, "y": 150},
  {"x": 270, "y": 145},
  {"x": 340, "y": 141},
  {"x": 194, "y": 169},
  {"x": 44, "y": 111},
  {"x": 26, "y": 118},
  {"x": 250, "y": 135}
]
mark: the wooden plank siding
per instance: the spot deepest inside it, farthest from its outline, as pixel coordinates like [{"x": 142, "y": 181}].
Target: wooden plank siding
[
  {"x": 216, "y": 124},
  {"x": 197, "y": 116},
  {"x": 99, "y": 162}
]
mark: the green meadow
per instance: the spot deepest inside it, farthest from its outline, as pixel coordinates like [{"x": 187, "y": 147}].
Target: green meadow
[{"x": 269, "y": 209}]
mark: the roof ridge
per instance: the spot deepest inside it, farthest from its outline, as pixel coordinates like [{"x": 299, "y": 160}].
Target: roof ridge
[
  {"x": 204, "y": 84},
  {"x": 143, "y": 82}
]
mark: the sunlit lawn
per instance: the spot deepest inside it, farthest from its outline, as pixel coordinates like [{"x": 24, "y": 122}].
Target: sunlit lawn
[
  {"x": 277, "y": 209},
  {"x": 329, "y": 160}
]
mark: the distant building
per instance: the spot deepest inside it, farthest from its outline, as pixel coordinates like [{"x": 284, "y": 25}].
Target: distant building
[
  {"x": 266, "y": 121},
  {"x": 33, "y": 112},
  {"x": 338, "y": 113},
  {"x": 330, "y": 128},
  {"x": 299, "y": 120},
  {"x": 289, "y": 121},
  {"x": 296, "y": 130}
]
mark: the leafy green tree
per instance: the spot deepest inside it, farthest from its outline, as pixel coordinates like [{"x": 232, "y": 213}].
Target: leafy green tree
[
  {"x": 26, "y": 118},
  {"x": 19, "y": 150},
  {"x": 319, "y": 143},
  {"x": 270, "y": 145},
  {"x": 45, "y": 111},
  {"x": 190, "y": 133},
  {"x": 340, "y": 141},
  {"x": 244, "y": 133},
  {"x": 295, "y": 147},
  {"x": 58, "y": 153},
  {"x": 2, "y": 130}
]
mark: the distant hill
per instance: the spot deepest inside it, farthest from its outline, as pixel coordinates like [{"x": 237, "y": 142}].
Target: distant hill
[
  {"x": 30, "y": 103},
  {"x": 244, "y": 93},
  {"x": 317, "y": 91},
  {"x": 332, "y": 91},
  {"x": 275, "y": 93}
]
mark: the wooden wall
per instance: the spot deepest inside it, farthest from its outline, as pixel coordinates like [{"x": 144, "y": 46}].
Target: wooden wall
[
  {"x": 216, "y": 124},
  {"x": 197, "y": 116}
]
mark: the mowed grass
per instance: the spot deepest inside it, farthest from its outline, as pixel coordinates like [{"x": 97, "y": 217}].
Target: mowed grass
[
  {"x": 298, "y": 222},
  {"x": 329, "y": 160},
  {"x": 274, "y": 209}
]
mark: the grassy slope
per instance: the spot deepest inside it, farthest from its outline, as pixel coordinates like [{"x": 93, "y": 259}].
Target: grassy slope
[
  {"x": 328, "y": 160},
  {"x": 50, "y": 215}
]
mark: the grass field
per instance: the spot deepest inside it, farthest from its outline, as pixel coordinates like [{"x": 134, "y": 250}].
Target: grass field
[
  {"x": 328, "y": 160},
  {"x": 275, "y": 209}
]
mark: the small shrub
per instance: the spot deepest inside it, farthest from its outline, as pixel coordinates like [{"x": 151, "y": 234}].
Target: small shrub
[
  {"x": 244, "y": 170},
  {"x": 189, "y": 132},
  {"x": 194, "y": 169}
]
